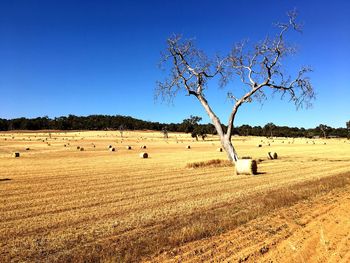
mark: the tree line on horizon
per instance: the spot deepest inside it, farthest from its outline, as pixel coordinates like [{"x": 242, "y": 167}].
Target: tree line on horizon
[{"x": 190, "y": 125}]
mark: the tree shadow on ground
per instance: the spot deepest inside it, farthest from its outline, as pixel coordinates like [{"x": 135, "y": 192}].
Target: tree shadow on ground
[
  {"x": 260, "y": 173},
  {"x": 5, "y": 179}
]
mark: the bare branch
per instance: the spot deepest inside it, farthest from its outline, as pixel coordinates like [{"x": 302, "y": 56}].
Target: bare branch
[
  {"x": 190, "y": 69},
  {"x": 300, "y": 89}
]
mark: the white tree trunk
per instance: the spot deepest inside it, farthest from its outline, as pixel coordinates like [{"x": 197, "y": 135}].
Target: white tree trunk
[
  {"x": 230, "y": 150},
  {"x": 224, "y": 138}
]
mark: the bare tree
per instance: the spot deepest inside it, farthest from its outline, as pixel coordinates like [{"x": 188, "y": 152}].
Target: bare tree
[
  {"x": 121, "y": 129},
  {"x": 165, "y": 132},
  {"x": 259, "y": 70}
]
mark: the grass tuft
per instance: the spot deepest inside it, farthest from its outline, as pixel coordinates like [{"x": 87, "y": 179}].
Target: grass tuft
[{"x": 210, "y": 163}]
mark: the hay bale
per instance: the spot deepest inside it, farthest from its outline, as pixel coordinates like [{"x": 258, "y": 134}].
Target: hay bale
[
  {"x": 64, "y": 145},
  {"x": 272, "y": 155},
  {"x": 16, "y": 154},
  {"x": 246, "y": 166},
  {"x": 258, "y": 145},
  {"x": 110, "y": 146},
  {"x": 81, "y": 149},
  {"x": 143, "y": 147},
  {"x": 219, "y": 149},
  {"x": 188, "y": 147},
  {"x": 112, "y": 149},
  {"x": 27, "y": 149},
  {"x": 78, "y": 147},
  {"x": 143, "y": 155},
  {"x": 128, "y": 147}
]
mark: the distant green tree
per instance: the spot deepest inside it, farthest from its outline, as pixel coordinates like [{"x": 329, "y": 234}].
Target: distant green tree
[
  {"x": 188, "y": 125},
  {"x": 324, "y": 129},
  {"x": 200, "y": 131},
  {"x": 269, "y": 127},
  {"x": 3, "y": 125}
]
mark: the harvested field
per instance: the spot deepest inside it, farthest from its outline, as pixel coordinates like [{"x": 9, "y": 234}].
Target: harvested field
[
  {"x": 60, "y": 204},
  {"x": 315, "y": 230}
]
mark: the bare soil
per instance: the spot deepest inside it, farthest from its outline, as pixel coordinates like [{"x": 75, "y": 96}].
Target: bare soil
[{"x": 316, "y": 230}]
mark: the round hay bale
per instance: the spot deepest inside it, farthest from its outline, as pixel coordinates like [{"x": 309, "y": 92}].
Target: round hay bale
[
  {"x": 128, "y": 147},
  {"x": 112, "y": 149},
  {"x": 143, "y": 147},
  {"x": 110, "y": 146},
  {"x": 27, "y": 149},
  {"x": 64, "y": 145},
  {"x": 16, "y": 154},
  {"x": 81, "y": 149},
  {"x": 78, "y": 147},
  {"x": 258, "y": 145},
  {"x": 188, "y": 147},
  {"x": 143, "y": 155},
  {"x": 219, "y": 149},
  {"x": 246, "y": 166},
  {"x": 272, "y": 155}
]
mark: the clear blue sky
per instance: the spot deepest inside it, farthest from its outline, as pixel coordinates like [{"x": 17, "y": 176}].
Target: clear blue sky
[{"x": 100, "y": 57}]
